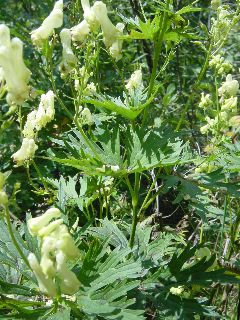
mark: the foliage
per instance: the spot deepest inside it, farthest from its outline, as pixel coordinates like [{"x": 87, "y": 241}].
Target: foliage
[{"x": 139, "y": 151}]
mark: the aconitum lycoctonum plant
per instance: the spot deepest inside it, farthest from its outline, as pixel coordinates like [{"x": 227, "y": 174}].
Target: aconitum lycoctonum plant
[{"x": 119, "y": 159}]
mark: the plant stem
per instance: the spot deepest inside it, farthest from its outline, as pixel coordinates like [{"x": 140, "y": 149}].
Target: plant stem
[
  {"x": 194, "y": 87},
  {"x": 40, "y": 176},
  {"x": 9, "y": 225},
  {"x": 134, "y": 194},
  {"x": 158, "y": 46}
]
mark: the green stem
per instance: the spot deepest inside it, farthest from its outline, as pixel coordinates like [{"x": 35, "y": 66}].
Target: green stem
[
  {"x": 148, "y": 193},
  {"x": 194, "y": 87},
  {"x": 40, "y": 176},
  {"x": 9, "y": 225},
  {"x": 158, "y": 48},
  {"x": 134, "y": 194}
]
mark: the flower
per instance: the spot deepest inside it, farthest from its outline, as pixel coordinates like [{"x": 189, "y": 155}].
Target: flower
[
  {"x": 46, "y": 111},
  {"x": 36, "y": 224},
  {"x": 26, "y": 152},
  {"x": 229, "y": 87},
  {"x": 205, "y": 101},
  {"x": 30, "y": 125},
  {"x": 177, "y": 291},
  {"x": 80, "y": 31},
  {"x": 46, "y": 284},
  {"x": 54, "y": 20},
  {"x": 229, "y": 104},
  {"x": 69, "y": 283},
  {"x": 13, "y": 68},
  {"x": 116, "y": 47},
  {"x": 89, "y": 15},
  {"x": 69, "y": 60},
  {"x": 111, "y": 33},
  {"x": 135, "y": 81},
  {"x": 87, "y": 116}
]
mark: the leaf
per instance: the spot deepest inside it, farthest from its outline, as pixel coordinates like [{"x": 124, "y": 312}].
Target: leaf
[
  {"x": 187, "y": 9},
  {"x": 111, "y": 233},
  {"x": 60, "y": 315},
  {"x": 118, "y": 108}
]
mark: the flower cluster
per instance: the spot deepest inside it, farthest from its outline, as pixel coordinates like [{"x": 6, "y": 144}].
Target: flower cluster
[
  {"x": 221, "y": 25},
  {"x": 54, "y": 20},
  {"x": 227, "y": 107},
  {"x": 57, "y": 247},
  {"x": 94, "y": 17},
  {"x": 220, "y": 64},
  {"x": 13, "y": 69},
  {"x": 36, "y": 120}
]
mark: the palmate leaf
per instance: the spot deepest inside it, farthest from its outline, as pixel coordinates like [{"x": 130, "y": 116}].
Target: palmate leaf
[
  {"x": 144, "y": 149},
  {"x": 108, "y": 277},
  {"x": 111, "y": 233}
]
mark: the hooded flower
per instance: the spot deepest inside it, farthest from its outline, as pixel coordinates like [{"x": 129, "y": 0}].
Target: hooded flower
[
  {"x": 135, "y": 81},
  {"x": 111, "y": 33},
  {"x": 13, "y": 68},
  {"x": 80, "y": 31},
  {"x": 69, "y": 60},
  {"x": 229, "y": 87},
  {"x": 54, "y": 20},
  {"x": 26, "y": 152}
]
